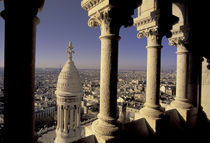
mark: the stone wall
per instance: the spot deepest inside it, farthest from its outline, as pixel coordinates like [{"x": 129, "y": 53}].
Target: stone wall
[{"x": 205, "y": 98}]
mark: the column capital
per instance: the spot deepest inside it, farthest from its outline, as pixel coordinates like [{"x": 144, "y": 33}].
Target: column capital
[
  {"x": 153, "y": 14},
  {"x": 107, "y": 22},
  {"x": 181, "y": 39},
  {"x": 110, "y": 15},
  {"x": 176, "y": 41},
  {"x": 23, "y": 8},
  {"x": 153, "y": 35},
  {"x": 180, "y": 36}
]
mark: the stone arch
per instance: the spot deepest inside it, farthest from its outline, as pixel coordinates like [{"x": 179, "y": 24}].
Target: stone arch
[{"x": 178, "y": 11}]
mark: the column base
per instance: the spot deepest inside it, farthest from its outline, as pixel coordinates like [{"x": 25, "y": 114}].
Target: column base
[
  {"x": 152, "y": 116},
  {"x": 105, "y": 132},
  {"x": 184, "y": 108},
  {"x": 183, "y": 104}
]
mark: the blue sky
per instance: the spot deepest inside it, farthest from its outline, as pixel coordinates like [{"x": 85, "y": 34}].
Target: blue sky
[{"x": 62, "y": 21}]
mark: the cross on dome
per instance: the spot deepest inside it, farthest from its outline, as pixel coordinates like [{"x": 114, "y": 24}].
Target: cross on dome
[{"x": 70, "y": 50}]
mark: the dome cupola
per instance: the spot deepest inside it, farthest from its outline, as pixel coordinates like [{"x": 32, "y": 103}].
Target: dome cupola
[{"x": 69, "y": 83}]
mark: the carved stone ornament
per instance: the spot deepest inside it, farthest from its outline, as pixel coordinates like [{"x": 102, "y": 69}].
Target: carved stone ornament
[
  {"x": 92, "y": 22},
  {"x": 153, "y": 36},
  {"x": 101, "y": 19},
  {"x": 176, "y": 41},
  {"x": 180, "y": 37},
  {"x": 67, "y": 100},
  {"x": 89, "y": 4},
  {"x": 145, "y": 21},
  {"x": 148, "y": 32}
]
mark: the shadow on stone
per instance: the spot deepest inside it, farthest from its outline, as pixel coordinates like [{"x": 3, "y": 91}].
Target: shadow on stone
[
  {"x": 89, "y": 139},
  {"x": 201, "y": 130},
  {"x": 176, "y": 123},
  {"x": 178, "y": 128},
  {"x": 137, "y": 131}
]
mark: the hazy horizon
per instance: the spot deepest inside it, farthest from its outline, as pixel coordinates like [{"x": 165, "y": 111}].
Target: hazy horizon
[{"x": 171, "y": 67}]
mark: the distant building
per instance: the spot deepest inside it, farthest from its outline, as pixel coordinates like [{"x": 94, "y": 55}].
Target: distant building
[
  {"x": 170, "y": 90},
  {"x": 48, "y": 112},
  {"x": 126, "y": 114}
]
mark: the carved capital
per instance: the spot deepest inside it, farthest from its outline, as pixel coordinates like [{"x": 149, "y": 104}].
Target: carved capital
[
  {"x": 176, "y": 41},
  {"x": 110, "y": 17},
  {"x": 99, "y": 18},
  {"x": 147, "y": 32},
  {"x": 181, "y": 42},
  {"x": 89, "y": 4},
  {"x": 153, "y": 36},
  {"x": 93, "y": 22},
  {"x": 118, "y": 11},
  {"x": 180, "y": 36},
  {"x": 106, "y": 21}
]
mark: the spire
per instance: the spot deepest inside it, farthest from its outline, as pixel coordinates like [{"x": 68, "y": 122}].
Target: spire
[{"x": 70, "y": 50}]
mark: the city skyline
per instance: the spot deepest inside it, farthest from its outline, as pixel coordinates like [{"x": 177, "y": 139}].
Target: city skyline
[{"x": 67, "y": 21}]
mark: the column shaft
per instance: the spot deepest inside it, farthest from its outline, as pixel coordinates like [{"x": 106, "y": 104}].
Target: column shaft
[
  {"x": 106, "y": 128},
  {"x": 108, "y": 78},
  {"x": 181, "y": 76},
  {"x": 152, "y": 108},
  {"x": 153, "y": 77},
  {"x": 75, "y": 118},
  {"x": 58, "y": 117},
  {"x": 65, "y": 120},
  {"x": 78, "y": 115},
  {"x": 71, "y": 118},
  {"x": 182, "y": 88},
  {"x": 61, "y": 119}
]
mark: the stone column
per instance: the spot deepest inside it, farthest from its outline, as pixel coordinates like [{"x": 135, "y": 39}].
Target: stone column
[
  {"x": 75, "y": 118},
  {"x": 65, "y": 119},
  {"x": 78, "y": 115},
  {"x": 58, "y": 116},
  {"x": 19, "y": 69},
  {"x": 61, "y": 119},
  {"x": 185, "y": 86},
  {"x": 181, "y": 100},
  {"x": 109, "y": 15},
  {"x": 106, "y": 127},
  {"x": 152, "y": 109},
  {"x": 71, "y": 117}
]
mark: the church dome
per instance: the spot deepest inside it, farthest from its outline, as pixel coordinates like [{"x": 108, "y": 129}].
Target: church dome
[{"x": 69, "y": 83}]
